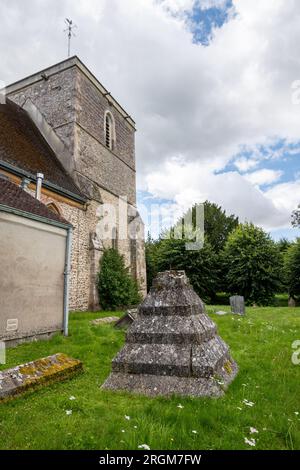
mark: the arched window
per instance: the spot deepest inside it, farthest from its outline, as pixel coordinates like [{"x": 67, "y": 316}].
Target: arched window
[
  {"x": 109, "y": 130},
  {"x": 54, "y": 208}
]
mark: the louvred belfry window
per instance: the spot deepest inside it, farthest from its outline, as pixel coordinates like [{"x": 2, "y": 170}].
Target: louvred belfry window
[{"x": 109, "y": 131}]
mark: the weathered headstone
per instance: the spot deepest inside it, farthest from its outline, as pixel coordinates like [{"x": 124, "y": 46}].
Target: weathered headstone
[
  {"x": 28, "y": 376},
  {"x": 172, "y": 347},
  {"x": 292, "y": 302},
  {"x": 237, "y": 303},
  {"x": 127, "y": 319}
]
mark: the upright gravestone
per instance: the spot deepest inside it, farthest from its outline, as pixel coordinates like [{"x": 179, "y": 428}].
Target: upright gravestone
[
  {"x": 172, "y": 347},
  {"x": 237, "y": 303},
  {"x": 292, "y": 302},
  {"x": 127, "y": 319}
]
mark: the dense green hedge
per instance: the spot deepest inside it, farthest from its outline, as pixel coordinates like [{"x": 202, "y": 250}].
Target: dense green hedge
[
  {"x": 117, "y": 288},
  {"x": 292, "y": 269}
]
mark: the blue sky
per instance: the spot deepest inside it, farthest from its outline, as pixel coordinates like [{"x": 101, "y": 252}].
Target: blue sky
[
  {"x": 204, "y": 20},
  {"x": 280, "y": 157}
]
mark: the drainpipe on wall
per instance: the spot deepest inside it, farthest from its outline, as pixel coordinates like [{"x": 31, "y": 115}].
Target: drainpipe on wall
[
  {"x": 67, "y": 280},
  {"x": 39, "y": 182}
]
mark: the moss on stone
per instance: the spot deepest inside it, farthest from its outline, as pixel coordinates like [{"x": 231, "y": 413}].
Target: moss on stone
[
  {"x": 228, "y": 367},
  {"x": 40, "y": 372}
]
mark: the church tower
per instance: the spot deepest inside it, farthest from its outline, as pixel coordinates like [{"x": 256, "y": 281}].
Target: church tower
[{"x": 93, "y": 137}]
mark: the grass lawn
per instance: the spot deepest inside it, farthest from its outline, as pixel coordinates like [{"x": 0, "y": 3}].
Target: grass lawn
[{"x": 261, "y": 343}]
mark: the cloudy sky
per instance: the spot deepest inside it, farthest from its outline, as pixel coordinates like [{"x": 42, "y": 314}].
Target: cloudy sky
[{"x": 214, "y": 86}]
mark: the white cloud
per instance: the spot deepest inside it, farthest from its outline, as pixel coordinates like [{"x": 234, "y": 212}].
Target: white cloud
[
  {"x": 264, "y": 176},
  {"x": 177, "y": 6},
  {"x": 244, "y": 164},
  {"x": 194, "y": 182},
  {"x": 285, "y": 196},
  {"x": 205, "y": 4},
  {"x": 195, "y": 106}
]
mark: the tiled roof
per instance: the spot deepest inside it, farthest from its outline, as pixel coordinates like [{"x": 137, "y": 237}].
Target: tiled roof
[
  {"x": 15, "y": 197},
  {"x": 22, "y": 146}
]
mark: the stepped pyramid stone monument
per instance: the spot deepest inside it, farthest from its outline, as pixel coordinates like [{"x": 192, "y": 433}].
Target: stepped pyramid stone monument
[{"x": 172, "y": 347}]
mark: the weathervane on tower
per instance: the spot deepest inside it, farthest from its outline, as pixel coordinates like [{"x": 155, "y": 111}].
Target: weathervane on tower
[{"x": 70, "y": 27}]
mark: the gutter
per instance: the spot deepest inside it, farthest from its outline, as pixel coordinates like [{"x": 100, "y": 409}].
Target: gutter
[{"x": 47, "y": 184}]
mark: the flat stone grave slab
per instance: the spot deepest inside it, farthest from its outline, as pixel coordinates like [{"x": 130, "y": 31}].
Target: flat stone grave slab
[
  {"x": 33, "y": 374},
  {"x": 102, "y": 321}
]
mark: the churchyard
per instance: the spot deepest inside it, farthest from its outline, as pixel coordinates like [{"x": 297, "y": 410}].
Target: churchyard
[{"x": 260, "y": 409}]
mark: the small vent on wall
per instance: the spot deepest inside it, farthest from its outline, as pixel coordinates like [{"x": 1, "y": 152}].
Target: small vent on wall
[{"x": 12, "y": 324}]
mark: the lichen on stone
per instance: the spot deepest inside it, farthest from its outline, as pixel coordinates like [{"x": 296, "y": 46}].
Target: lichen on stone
[{"x": 36, "y": 373}]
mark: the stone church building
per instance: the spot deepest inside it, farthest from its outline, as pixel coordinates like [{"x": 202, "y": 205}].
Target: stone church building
[{"x": 62, "y": 123}]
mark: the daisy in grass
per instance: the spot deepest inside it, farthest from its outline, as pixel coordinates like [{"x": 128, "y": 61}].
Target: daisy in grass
[
  {"x": 251, "y": 442},
  {"x": 144, "y": 446}
]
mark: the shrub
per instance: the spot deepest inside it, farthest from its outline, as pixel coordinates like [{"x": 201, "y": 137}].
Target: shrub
[
  {"x": 292, "y": 270},
  {"x": 151, "y": 249},
  {"x": 116, "y": 286},
  {"x": 253, "y": 265}
]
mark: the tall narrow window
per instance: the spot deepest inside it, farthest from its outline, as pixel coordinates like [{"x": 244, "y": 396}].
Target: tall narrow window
[{"x": 109, "y": 129}]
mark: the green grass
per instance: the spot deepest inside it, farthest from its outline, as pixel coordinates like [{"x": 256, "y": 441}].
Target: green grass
[
  {"x": 260, "y": 343},
  {"x": 280, "y": 300}
]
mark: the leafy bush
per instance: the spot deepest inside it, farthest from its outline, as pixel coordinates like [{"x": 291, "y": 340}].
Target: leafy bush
[
  {"x": 253, "y": 265},
  {"x": 201, "y": 266},
  {"x": 292, "y": 269},
  {"x": 116, "y": 286}
]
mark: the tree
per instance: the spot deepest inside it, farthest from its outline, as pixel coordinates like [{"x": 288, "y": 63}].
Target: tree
[
  {"x": 283, "y": 245},
  {"x": 116, "y": 286},
  {"x": 292, "y": 269},
  {"x": 201, "y": 266},
  {"x": 296, "y": 217},
  {"x": 218, "y": 225},
  {"x": 253, "y": 264}
]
